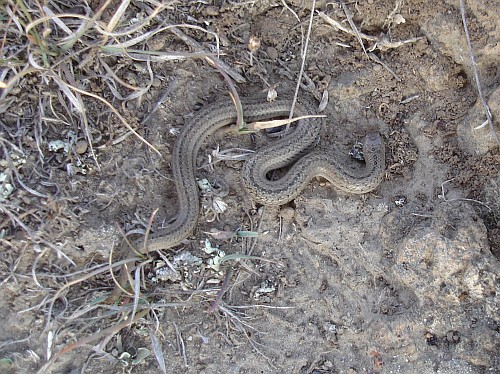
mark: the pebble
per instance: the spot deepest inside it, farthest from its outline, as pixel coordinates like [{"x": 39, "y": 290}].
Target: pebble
[
  {"x": 156, "y": 83},
  {"x": 287, "y": 213},
  {"x": 272, "y": 53},
  {"x": 81, "y": 147},
  {"x": 211, "y": 11}
]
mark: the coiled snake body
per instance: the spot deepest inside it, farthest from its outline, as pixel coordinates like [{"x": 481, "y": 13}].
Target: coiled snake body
[{"x": 283, "y": 152}]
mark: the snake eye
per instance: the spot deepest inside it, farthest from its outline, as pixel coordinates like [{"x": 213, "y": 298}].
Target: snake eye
[{"x": 276, "y": 131}]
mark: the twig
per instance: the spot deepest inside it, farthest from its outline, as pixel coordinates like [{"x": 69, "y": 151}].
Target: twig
[
  {"x": 443, "y": 196},
  {"x": 341, "y": 27},
  {"x": 353, "y": 25},
  {"x": 81, "y": 279},
  {"x": 254, "y": 242},
  {"x": 302, "y": 66},
  {"x": 162, "y": 99},
  {"x": 240, "y": 120},
  {"x": 32, "y": 234},
  {"x": 89, "y": 339},
  {"x": 216, "y": 303},
  {"x": 120, "y": 117},
  {"x": 374, "y": 57},
  {"x": 476, "y": 74},
  {"x": 390, "y": 18},
  {"x": 382, "y": 43},
  {"x": 180, "y": 345},
  {"x": 298, "y": 20}
]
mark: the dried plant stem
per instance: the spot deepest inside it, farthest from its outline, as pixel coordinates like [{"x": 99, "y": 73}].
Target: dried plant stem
[
  {"x": 476, "y": 74},
  {"x": 304, "y": 55},
  {"x": 353, "y": 25},
  {"x": 198, "y": 47},
  {"x": 120, "y": 117},
  {"x": 92, "y": 338},
  {"x": 81, "y": 279}
]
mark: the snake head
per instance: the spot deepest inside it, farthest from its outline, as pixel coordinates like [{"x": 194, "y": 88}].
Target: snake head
[{"x": 373, "y": 140}]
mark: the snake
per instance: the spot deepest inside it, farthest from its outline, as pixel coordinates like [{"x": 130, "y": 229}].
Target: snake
[{"x": 296, "y": 148}]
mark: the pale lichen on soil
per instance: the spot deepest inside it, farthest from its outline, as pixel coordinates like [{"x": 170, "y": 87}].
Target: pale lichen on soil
[{"x": 400, "y": 280}]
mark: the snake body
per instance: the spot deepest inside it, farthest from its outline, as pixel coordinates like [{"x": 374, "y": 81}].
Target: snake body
[{"x": 292, "y": 148}]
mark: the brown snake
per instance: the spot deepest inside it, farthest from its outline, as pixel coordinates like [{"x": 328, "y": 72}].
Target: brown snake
[{"x": 283, "y": 152}]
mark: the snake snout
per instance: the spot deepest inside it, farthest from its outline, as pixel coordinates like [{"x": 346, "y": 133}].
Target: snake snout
[{"x": 373, "y": 139}]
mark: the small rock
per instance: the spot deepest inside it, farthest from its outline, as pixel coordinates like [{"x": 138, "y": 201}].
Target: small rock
[
  {"x": 253, "y": 44},
  {"x": 211, "y": 11},
  {"x": 156, "y": 83},
  {"x": 287, "y": 213},
  {"x": 81, "y": 147},
  {"x": 272, "y": 53}
]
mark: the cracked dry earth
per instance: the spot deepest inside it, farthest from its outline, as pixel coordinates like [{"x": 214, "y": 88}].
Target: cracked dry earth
[{"x": 401, "y": 280}]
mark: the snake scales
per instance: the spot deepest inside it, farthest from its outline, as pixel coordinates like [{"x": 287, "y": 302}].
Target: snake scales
[{"x": 292, "y": 148}]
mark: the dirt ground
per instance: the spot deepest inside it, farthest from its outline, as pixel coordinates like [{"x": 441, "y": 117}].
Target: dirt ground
[{"x": 401, "y": 280}]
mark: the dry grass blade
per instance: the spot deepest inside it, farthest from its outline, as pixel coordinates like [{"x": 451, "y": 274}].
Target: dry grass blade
[
  {"x": 161, "y": 100},
  {"x": 137, "y": 290},
  {"x": 138, "y": 39},
  {"x": 385, "y": 44},
  {"x": 261, "y": 125},
  {"x": 138, "y": 92},
  {"x": 353, "y": 25},
  {"x": 283, "y": 2},
  {"x": 181, "y": 345},
  {"x": 305, "y": 45},
  {"x": 240, "y": 121},
  {"x": 382, "y": 43},
  {"x": 232, "y": 154},
  {"x": 11, "y": 83},
  {"x": 198, "y": 47},
  {"x": 375, "y": 58},
  {"x": 118, "y": 285},
  {"x": 66, "y": 44},
  {"x": 482, "y": 125},
  {"x": 154, "y": 56},
  {"x": 117, "y": 16},
  {"x": 147, "y": 35},
  {"x": 101, "y": 270},
  {"x": 218, "y": 299},
  {"x": 32, "y": 234},
  {"x": 116, "y": 78},
  {"x": 120, "y": 117},
  {"x": 76, "y": 101},
  {"x": 157, "y": 349},
  {"x": 237, "y": 320},
  {"x": 77, "y": 36},
  {"x": 57, "y": 20},
  {"x": 240, "y": 256},
  {"x": 442, "y": 196},
  {"x": 148, "y": 230},
  {"x": 339, "y": 26},
  {"x": 92, "y": 338},
  {"x": 137, "y": 27}
]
